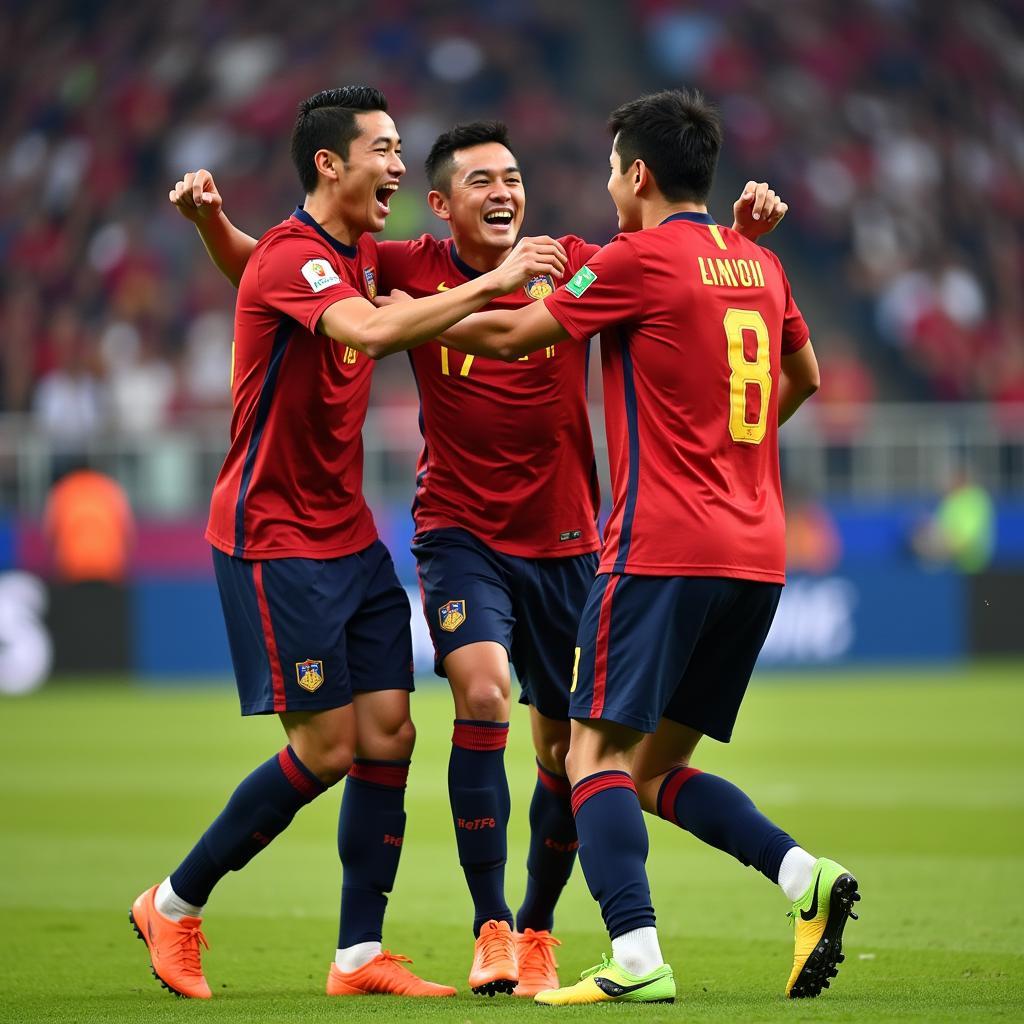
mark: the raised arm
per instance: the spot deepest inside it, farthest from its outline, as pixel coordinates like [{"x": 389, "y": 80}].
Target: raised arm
[
  {"x": 798, "y": 380},
  {"x": 757, "y": 211},
  {"x": 401, "y": 325},
  {"x": 198, "y": 200}
]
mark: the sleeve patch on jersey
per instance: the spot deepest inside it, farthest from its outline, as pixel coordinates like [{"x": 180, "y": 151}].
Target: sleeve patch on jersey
[
  {"x": 584, "y": 278},
  {"x": 320, "y": 275}
]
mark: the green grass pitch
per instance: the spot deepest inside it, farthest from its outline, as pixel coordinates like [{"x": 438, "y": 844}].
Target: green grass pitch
[{"x": 913, "y": 779}]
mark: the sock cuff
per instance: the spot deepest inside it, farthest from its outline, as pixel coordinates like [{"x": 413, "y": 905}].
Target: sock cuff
[
  {"x": 472, "y": 735},
  {"x": 389, "y": 774},
  {"x": 589, "y": 787},
  {"x": 557, "y": 784},
  {"x": 308, "y": 785},
  {"x": 670, "y": 786}
]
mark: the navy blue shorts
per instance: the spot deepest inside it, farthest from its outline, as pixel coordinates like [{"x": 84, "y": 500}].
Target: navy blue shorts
[
  {"x": 678, "y": 647},
  {"x": 305, "y": 634},
  {"x": 531, "y": 606}
]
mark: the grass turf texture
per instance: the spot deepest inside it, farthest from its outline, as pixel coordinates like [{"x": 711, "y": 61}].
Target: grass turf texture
[{"x": 914, "y": 780}]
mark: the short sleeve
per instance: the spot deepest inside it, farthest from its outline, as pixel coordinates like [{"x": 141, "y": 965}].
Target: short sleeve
[
  {"x": 795, "y": 333},
  {"x": 301, "y": 278},
  {"x": 607, "y": 290}
]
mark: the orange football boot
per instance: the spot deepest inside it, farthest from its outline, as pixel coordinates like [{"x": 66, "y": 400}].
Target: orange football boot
[
  {"x": 495, "y": 968},
  {"x": 384, "y": 975},
  {"x": 173, "y": 947},
  {"x": 538, "y": 969}
]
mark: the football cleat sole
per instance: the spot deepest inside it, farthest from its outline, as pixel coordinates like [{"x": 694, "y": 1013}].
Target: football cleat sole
[{"x": 823, "y": 962}]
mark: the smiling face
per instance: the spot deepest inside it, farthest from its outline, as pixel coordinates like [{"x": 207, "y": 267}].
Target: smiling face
[
  {"x": 485, "y": 203},
  {"x": 369, "y": 178}
]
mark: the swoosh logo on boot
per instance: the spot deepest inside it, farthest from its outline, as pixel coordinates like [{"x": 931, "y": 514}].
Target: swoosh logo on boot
[
  {"x": 614, "y": 989},
  {"x": 810, "y": 915}
]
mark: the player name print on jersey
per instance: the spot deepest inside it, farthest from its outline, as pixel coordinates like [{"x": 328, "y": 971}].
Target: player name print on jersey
[
  {"x": 320, "y": 275},
  {"x": 734, "y": 273}
]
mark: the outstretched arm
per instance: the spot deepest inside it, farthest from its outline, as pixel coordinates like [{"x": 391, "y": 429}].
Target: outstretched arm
[
  {"x": 507, "y": 333},
  {"x": 402, "y": 325},
  {"x": 798, "y": 380},
  {"x": 198, "y": 200}
]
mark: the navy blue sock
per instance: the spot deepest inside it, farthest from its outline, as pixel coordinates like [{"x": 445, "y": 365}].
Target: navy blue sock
[
  {"x": 613, "y": 849},
  {"x": 478, "y": 791},
  {"x": 371, "y": 829},
  {"x": 553, "y": 846},
  {"x": 722, "y": 815},
  {"x": 261, "y": 808}
]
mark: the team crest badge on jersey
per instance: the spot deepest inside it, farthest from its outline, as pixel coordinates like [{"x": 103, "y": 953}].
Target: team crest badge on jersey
[
  {"x": 371, "y": 282},
  {"x": 310, "y": 675},
  {"x": 540, "y": 286},
  {"x": 452, "y": 615},
  {"x": 320, "y": 275}
]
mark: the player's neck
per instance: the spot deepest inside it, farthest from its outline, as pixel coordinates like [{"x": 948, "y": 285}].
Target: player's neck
[
  {"x": 319, "y": 208},
  {"x": 479, "y": 257},
  {"x": 656, "y": 211}
]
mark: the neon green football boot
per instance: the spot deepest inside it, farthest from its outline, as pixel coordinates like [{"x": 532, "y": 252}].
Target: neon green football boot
[
  {"x": 819, "y": 917},
  {"x": 610, "y": 983}
]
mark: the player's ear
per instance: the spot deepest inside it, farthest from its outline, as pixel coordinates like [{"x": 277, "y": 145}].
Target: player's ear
[
  {"x": 439, "y": 205},
  {"x": 327, "y": 163},
  {"x": 641, "y": 175}
]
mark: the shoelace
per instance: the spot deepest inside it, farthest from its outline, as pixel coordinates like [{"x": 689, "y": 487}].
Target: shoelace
[
  {"x": 602, "y": 966},
  {"x": 539, "y": 945},
  {"x": 188, "y": 942},
  {"x": 496, "y": 946},
  {"x": 395, "y": 959}
]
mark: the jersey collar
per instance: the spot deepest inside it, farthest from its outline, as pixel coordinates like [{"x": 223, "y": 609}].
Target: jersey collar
[
  {"x": 468, "y": 272},
  {"x": 696, "y": 218},
  {"x": 348, "y": 251}
]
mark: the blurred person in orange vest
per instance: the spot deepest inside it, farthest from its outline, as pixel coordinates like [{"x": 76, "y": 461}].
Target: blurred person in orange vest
[{"x": 88, "y": 521}]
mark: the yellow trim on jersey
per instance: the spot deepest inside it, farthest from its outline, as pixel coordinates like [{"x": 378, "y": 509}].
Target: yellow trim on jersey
[{"x": 717, "y": 236}]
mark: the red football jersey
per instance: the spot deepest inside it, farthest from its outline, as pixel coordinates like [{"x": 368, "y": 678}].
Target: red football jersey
[
  {"x": 292, "y": 483},
  {"x": 507, "y": 452},
  {"x": 694, "y": 319}
]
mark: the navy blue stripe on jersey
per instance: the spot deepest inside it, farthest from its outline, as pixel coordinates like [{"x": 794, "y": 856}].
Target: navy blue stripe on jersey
[
  {"x": 697, "y": 218},
  {"x": 281, "y": 338},
  {"x": 422, "y": 475},
  {"x": 470, "y": 273},
  {"x": 633, "y": 431},
  {"x": 595, "y": 480},
  {"x": 348, "y": 251}
]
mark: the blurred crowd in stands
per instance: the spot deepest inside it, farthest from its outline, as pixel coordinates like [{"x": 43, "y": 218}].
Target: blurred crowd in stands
[{"x": 894, "y": 128}]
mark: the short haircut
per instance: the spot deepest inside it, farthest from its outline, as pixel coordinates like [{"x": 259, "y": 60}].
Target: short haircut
[
  {"x": 328, "y": 121},
  {"x": 440, "y": 162},
  {"x": 677, "y": 134}
]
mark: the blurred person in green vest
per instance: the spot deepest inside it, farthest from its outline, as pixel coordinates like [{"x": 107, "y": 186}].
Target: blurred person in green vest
[{"x": 961, "y": 532}]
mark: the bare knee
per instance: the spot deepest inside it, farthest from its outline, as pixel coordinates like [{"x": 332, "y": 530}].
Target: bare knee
[
  {"x": 391, "y": 739},
  {"x": 551, "y": 743},
  {"x": 328, "y": 760},
  {"x": 484, "y": 700}
]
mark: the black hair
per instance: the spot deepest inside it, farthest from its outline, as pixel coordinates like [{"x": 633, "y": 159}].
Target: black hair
[
  {"x": 440, "y": 162},
  {"x": 328, "y": 121},
  {"x": 677, "y": 134}
]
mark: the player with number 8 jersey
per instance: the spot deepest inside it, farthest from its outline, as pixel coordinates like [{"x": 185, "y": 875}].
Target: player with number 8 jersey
[{"x": 674, "y": 381}]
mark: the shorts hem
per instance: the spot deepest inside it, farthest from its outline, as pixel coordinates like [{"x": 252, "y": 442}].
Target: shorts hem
[
  {"x": 267, "y": 707},
  {"x": 409, "y": 685},
  {"x": 621, "y": 717},
  {"x": 718, "y": 736}
]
